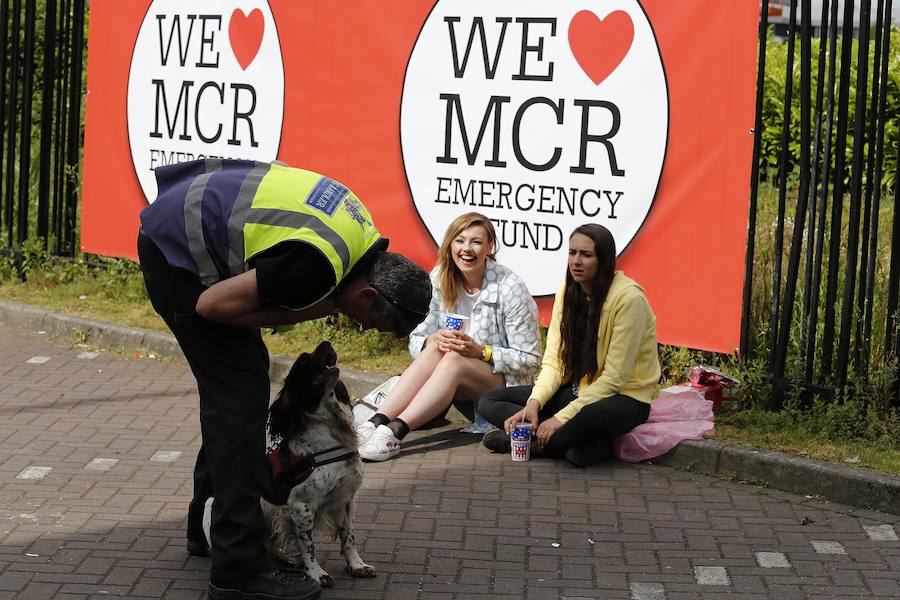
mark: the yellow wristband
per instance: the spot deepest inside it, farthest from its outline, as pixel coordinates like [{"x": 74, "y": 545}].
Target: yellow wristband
[{"x": 487, "y": 353}]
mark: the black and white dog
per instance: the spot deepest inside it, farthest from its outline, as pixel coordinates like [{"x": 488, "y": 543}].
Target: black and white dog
[{"x": 316, "y": 467}]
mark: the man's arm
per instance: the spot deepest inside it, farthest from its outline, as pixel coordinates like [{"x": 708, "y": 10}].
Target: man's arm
[{"x": 235, "y": 301}]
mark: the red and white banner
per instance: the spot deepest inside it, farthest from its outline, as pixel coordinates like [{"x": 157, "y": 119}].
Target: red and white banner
[{"x": 635, "y": 114}]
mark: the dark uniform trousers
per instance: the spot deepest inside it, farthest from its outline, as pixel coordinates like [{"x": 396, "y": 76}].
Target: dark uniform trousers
[{"x": 231, "y": 366}]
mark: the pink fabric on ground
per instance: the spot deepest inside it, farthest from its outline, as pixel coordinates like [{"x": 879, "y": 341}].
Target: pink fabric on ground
[{"x": 677, "y": 415}]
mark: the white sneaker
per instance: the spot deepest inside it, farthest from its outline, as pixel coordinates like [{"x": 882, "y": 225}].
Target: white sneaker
[
  {"x": 364, "y": 431},
  {"x": 381, "y": 446}
]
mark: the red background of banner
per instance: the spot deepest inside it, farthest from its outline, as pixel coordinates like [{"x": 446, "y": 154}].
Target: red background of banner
[{"x": 689, "y": 253}]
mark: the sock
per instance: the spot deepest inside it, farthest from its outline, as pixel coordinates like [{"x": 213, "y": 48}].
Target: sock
[
  {"x": 399, "y": 428},
  {"x": 379, "y": 419}
]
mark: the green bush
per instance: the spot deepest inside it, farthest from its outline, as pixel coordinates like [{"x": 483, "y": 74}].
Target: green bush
[{"x": 773, "y": 104}]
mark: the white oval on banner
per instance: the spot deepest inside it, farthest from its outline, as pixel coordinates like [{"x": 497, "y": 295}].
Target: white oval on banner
[
  {"x": 206, "y": 80},
  {"x": 543, "y": 116}
]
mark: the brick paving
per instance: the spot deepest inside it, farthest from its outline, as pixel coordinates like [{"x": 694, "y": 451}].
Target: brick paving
[{"x": 96, "y": 453}]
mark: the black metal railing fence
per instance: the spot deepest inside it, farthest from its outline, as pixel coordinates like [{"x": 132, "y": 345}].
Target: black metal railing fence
[
  {"x": 42, "y": 49},
  {"x": 830, "y": 330}
]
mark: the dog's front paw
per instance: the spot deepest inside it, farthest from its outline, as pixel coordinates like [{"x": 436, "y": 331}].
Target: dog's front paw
[
  {"x": 363, "y": 571},
  {"x": 326, "y": 580}
]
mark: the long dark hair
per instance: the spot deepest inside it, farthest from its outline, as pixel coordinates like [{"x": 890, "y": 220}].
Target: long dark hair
[{"x": 580, "y": 318}]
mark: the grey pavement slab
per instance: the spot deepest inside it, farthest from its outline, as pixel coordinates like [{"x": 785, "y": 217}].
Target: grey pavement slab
[{"x": 445, "y": 520}]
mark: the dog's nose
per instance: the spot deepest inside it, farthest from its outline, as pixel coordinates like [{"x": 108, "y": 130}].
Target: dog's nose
[{"x": 325, "y": 352}]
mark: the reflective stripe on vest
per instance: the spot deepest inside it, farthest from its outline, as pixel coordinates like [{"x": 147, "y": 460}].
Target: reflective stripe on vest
[
  {"x": 193, "y": 224},
  {"x": 239, "y": 216},
  {"x": 296, "y": 220}
]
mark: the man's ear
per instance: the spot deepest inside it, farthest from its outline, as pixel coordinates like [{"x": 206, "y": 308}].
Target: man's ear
[{"x": 368, "y": 293}]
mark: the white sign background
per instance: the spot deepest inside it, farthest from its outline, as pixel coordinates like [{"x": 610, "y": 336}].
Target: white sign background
[
  {"x": 537, "y": 200},
  {"x": 216, "y": 67}
]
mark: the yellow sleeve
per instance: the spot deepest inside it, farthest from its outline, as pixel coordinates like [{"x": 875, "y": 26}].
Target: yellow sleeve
[
  {"x": 550, "y": 378},
  {"x": 629, "y": 321}
]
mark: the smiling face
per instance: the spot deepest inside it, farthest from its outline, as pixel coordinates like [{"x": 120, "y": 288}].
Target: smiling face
[
  {"x": 582, "y": 260},
  {"x": 469, "y": 250}
]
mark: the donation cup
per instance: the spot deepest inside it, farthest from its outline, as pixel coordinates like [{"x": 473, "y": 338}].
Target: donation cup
[
  {"x": 457, "y": 322},
  {"x": 520, "y": 441}
]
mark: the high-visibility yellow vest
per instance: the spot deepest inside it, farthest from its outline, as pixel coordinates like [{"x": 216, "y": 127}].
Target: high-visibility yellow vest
[{"x": 214, "y": 216}]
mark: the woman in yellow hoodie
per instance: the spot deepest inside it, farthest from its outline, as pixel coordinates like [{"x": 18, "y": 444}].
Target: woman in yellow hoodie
[{"x": 600, "y": 367}]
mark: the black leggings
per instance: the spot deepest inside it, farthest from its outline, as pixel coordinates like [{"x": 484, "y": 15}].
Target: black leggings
[{"x": 600, "y": 420}]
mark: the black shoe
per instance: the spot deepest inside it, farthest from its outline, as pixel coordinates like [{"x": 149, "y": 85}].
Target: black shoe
[
  {"x": 590, "y": 453},
  {"x": 496, "y": 440},
  {"x": 269, "y": 585},
  {"x": 197, "y": 547}
]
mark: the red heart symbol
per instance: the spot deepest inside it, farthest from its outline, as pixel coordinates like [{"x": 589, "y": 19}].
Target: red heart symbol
[
  {"x": 246, "y": 34},
  {"x": 600, "y": 45}
]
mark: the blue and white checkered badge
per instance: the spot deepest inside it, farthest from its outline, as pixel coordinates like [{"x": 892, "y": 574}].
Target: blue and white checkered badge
[{"x": 456, "y": 322}]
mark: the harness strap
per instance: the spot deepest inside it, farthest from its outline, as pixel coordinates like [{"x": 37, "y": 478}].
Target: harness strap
[
  {"x": 292, "y": 470},
  {"x": 331, "y": 455}
]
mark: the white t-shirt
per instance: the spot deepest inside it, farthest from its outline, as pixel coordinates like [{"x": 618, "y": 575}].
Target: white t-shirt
[{"x": 465, "y": 303}]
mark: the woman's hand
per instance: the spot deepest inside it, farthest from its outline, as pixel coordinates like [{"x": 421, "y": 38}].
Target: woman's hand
[
  {"x": 465, "y": 345},
  {"x": 529, "y": 414},
  {"x": 443, "y": 339},
  {"x": 546, "y": 431}
]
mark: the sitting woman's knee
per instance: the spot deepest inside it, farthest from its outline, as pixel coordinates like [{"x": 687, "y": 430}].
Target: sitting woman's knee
[
  {"x": 486, "y": 404},
  {"x": 430, "y": 349},
  {"x": 452, "y": 361}
]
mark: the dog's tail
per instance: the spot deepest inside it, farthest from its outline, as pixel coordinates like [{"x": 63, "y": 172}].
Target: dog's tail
[{"x": 282, "y": 542}]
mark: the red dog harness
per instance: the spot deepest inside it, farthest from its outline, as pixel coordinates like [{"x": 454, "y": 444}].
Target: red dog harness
[{"x": 290, "y": 470}]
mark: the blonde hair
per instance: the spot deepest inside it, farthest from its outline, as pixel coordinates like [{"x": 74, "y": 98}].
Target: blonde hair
[{"x": 449, "y": 276}]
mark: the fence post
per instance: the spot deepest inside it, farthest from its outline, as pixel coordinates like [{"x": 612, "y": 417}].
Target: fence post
[
  {"x": 73, "y": 137},
  {"x": 49, "y": 71},
  {"x": 11, "y": 124},
  {"x": 25, "y": 132},
  {"x": 892, "y": 322},
  {"x": 754, "y": 183},
  {"x": 847, "y": 312},
  {"x": 4, "y": 22}
]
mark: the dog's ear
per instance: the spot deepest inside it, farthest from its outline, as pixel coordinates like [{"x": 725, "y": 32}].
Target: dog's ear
[
  {"x": 341, "y": 393},
  {"x": 280, "y": 420},
  {"x": 303, "y": 370},
  {"x": 286, "y": 414}
]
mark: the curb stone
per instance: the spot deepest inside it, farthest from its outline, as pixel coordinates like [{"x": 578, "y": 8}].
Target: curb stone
[
  {"x": 846, "y": 485},
  {"x": 101, "y": 333},
  {"x": 852, "y": 486}
]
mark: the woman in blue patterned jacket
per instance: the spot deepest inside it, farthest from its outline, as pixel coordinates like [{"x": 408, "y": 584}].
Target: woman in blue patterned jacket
[{"x": 500, "y": 345}]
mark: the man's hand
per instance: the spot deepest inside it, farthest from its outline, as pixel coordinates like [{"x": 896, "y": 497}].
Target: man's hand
[{"x": 235, "y": 301}]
